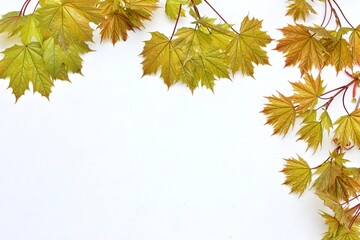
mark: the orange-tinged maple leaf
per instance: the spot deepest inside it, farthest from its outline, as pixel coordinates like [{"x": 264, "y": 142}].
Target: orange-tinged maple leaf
[
  {"x": 245, "y": 49},
  {"x": 301, "y": 47},
  {"x": 280, "y": 113},
  {"x": 299, "y": 9},
  {"x": 339, "y": 53},
  {"x": 124, "y": 16},
  {"x": 298, "y": 174},
  {"x": 355, "y": 45},
  {"x": 115, "y": 27},
  {"x": 348, "y": 129},
  {"x": 306, "y": 94},
  {"x": 10, "y": 23}
]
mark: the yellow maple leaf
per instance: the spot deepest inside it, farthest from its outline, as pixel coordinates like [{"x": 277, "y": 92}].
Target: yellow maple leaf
[
  {"x": 355, "y": 45},
  {"x": 312, "y": 133},
  {"x": 280, "y": 113},
  {"x": 348, "y": 129},
  {"x": 306, "y": 94},
  {"x": 160, "y": 52},
  {"x": 245, "y": 49},
  {"x": 301, "y": 47},
  {"x": 298, "y": 174}
]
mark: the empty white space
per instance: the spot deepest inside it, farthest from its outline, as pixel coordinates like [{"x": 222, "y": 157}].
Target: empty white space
[{"x": 117, "y": 156}]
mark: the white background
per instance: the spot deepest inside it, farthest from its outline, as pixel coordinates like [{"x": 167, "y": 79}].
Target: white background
[{"x": 116, "y": 156}]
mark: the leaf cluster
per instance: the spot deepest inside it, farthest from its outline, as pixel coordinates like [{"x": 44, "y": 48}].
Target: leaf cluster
[
  {"x": 56, "y": 34},
  {"x": 310, "y": 48},
  {"x": 205, "y": 52}
]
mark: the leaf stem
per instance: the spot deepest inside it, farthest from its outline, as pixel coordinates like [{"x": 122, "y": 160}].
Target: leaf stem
[
  {"x": 342, "y": 13},
  {"x": 23, "y": 8},
  {"x": 335, "y": 13},
  {"x": 217, "y": 13},
  {"x": 196, "y": 9},
  {"x": 325, "y": 13},
  {"x": 36, "y": 6},
  {"x": 343, "y": 100},
  {"x": 176, "y": 23}
]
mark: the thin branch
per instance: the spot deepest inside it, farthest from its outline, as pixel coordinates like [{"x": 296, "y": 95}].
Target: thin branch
[
  {"x": 342, "y": 13},
  {"x": 176, "y": 23},
  {"x": 343, "y": 101},
  {"x": 22, "y": 10},
  {"x": 220, "y": 16},
  {"x": 325, "y": 13}
]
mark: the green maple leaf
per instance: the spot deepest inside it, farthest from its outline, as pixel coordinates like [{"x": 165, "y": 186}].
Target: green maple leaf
[
  {"x": 188, "y": 58},
  {"x": 326, "y": 121},
  {"x": 54, "y": 58},
  {"x": 306, "y": 94},
  {"x": 203, "y": 62},
  {"x": 72, "y": 56},
  {"x": 301, "y": 47},
  {"x": 172, "y": 8},
  {"x": 29, "y": 30},
  {"x": 348, "y": 129},
  {"x": 299, "y": 9},
  {"x": 160, "y": 52},
  {"x": 298, "y": 175},
  {"x": 25, "y": 64},
  {"x": 245, "y": 49},
  {"x": 280, "y": 113},
  {"x": 68, "y": 21}
]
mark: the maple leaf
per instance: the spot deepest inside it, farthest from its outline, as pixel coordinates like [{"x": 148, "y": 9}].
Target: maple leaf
[
  {"x": 245, "y": 49},
  {"x": 348, "y": 129},
  {"x": 334, "y": 181},
  {"x": 312, "y": 133},
  {"x": 72, "y": 56},
  {"x": 202, "y": 61},
  {"x": 160, "y": 52},
  {"x": 29, "y": 30},
  {"x": 299, "y": 9},
  {"x": 301, "y": 47},
  {"x": 326, "y": 121},
  {"x": 280, "y": 113},
  {"x": 335, "y": 206},
  {"x": 124, "y": 16},
  {"x": 25, "y": 64},
  {"x": 54, "y": 59},
  {"x": 306, "y": 94},
  {"x": 327, "y": 172},
  {"x": 339, "y": 53},
  {"x": 10, "y": 23},
  {"x": 355, "y": 45},
  {"x": 205, "y": 68},
  {"x": 68, "y": 21},
  {"x": 298, "y": 174},
  {"x": 333, "y": 224},
  {"x": 172, "y": 8}
]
